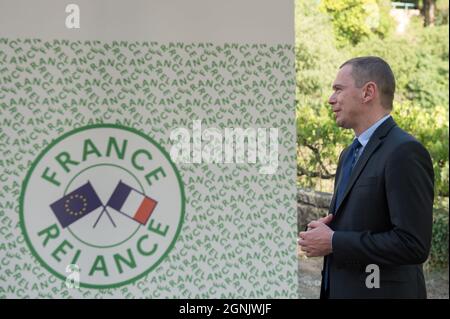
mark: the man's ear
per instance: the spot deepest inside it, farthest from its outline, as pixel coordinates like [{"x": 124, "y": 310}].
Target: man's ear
[{"x": 369, "y": 91}]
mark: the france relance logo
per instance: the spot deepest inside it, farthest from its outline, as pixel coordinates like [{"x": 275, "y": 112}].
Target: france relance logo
[{"x": 105, "y": 198}]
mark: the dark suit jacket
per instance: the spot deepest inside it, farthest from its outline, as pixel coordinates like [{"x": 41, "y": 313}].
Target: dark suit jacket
[{"x": 385, "y": 218}]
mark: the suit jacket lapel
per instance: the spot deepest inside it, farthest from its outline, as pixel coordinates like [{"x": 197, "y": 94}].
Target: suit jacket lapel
[
  {"x": 374, "y": 142},
  {"x": 337, "y": 182}
]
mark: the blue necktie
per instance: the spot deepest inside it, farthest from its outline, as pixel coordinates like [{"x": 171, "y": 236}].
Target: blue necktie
[{"x": 349, "y": 163}]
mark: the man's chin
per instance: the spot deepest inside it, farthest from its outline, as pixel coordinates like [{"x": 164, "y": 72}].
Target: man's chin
[{"x": 340, "y": 123}]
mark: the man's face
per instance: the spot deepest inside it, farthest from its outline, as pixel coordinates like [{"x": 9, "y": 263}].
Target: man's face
[{"x": 346, "y": 100}]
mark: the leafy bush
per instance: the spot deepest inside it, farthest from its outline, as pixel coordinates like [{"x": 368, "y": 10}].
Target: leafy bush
[
  {"x": 439, "y": 243},
  {"x": 430, "y": 127},
  {"x": 441, "y": 12},
  {"x": 317, "y": 59},
  {"x": 316, "y": 55},
  {"x": 386, "y": 24},
  {"x": 420, "y": 64},
  {"x": 320, "y": 141},
  {"x": 356, "y": 20}
]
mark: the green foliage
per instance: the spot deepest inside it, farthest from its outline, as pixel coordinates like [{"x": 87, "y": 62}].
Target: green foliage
[
  {"x": 316, "y": 55},
  {"x": 356, "y": 20},
  {"x": 317, "y": 60},
  {"x": 386, "y": 23},
  {"x": 419, "y": 62},
  {"x": 441, "y": 12},
  {"x": 439, "y": 243},
  {"x": 349, "y": 18},
  {"x": 430, "y": 127},
  {"x": 320, "y": 142},
  {"x": 329, "y": 33}
]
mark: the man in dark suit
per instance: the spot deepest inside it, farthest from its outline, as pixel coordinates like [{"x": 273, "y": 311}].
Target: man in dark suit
[{"x": 378, "y": 232}]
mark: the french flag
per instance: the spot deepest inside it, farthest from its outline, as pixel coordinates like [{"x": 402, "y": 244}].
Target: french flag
[{"x": 132, "y": 203}]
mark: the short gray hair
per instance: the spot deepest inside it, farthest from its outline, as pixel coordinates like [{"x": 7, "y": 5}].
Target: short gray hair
[{"x": 372, "y": 68}]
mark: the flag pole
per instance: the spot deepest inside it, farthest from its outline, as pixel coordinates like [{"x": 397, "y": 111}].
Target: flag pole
[
  {"x": 109, "y": 216},
  {"x": 101, "y": 214}
]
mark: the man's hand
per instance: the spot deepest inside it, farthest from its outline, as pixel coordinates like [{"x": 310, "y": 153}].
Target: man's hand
[
  {"x": 316, "y": 241},
  {"x": 326, "y": 220}
]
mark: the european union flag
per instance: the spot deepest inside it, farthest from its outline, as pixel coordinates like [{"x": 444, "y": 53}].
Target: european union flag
[{"x": 76, "y": 205}]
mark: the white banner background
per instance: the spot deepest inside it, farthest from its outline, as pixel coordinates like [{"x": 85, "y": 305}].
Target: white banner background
[{"x": 155, "y": 66}]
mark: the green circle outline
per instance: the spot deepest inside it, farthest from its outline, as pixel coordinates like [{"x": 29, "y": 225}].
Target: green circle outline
[
  {"x": 50, "y": 146},
  {"x": 85, "y": 169}
]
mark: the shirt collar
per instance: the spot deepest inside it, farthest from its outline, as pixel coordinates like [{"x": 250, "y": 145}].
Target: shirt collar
[{"x": 366, "y": 135}]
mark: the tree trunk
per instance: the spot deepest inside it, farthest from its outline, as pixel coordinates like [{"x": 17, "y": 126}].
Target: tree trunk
[{"x": 428, "y": 9}]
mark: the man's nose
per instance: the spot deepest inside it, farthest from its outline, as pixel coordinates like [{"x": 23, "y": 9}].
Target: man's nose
[{"x": 332, "y": 99}]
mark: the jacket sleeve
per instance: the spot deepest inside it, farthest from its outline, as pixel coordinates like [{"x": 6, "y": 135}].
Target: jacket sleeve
[{"x": 409, "y": 185}]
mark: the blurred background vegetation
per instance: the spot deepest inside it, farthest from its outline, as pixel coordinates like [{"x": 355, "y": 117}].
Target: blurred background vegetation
[{"x": 414, "y": 39}]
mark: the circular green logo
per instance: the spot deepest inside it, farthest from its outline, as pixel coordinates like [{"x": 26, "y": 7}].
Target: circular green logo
[{"x": 104, "y": 199}]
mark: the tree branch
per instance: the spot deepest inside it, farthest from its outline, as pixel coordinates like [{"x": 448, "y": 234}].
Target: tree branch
[{"x": 303, "y": 172}]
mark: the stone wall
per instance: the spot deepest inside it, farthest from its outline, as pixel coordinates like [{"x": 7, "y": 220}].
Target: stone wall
[{"x": 311, "y": 205}]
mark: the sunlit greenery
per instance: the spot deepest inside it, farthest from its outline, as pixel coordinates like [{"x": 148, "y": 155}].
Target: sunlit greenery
[
  {"x": 356, "y": 20},
  {"x": 328, "y": 32}
]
